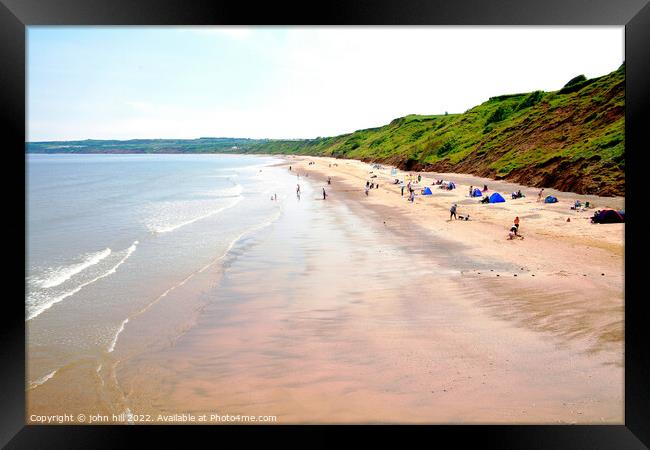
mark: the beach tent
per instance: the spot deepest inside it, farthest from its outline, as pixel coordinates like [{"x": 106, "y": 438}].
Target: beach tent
[
  {"x": 550, "y": 199},
  {"x": 609, "y": 216},
  {"x": 496, "y": 198},
  {"x": 477, "y": 193},
  {"x": 427, "y": 191},
  {"x": 452, "y": 185}
]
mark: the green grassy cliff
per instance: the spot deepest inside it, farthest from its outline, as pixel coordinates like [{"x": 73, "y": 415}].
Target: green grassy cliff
[{"x": 572, "y": 139}]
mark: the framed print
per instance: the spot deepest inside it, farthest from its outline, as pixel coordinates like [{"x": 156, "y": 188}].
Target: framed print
[{"x": 414, "y": 217}]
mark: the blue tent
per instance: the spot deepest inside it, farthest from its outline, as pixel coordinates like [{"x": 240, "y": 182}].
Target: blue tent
[
  {"x": 496, "y": 198},
  {"x": 550, "y": 199},
  {"x": 477, "y": 193},
  {"x": 427, "y": 191},
  {"x": 452, "y": 185}
]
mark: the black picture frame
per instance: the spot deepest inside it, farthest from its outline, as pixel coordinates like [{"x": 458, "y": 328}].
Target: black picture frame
[{"x": 15, "y": 15}]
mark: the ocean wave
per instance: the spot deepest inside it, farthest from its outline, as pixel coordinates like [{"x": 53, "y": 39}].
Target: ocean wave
[
  {"x": 62, "y": 274},
  {"x": 232, "y": 243},
  {"x": 43, "y": 379},
  {"x": 158, "y": 228},
  {"x": 36, "y": 308},
  {"x": 119, "y": 331}
]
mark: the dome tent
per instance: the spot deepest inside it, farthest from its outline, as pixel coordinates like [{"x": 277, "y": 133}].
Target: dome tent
[
  {"x": 550, "y": 199},
  {"x": 477, "y": 193},
  {"x": 496, "y": 198},
  {"x": 608, "y": 216},
  {"x": 426, "y": 191}
]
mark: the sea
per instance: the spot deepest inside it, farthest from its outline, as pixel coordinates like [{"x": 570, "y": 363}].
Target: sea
[{"x": 107, "y": 236}]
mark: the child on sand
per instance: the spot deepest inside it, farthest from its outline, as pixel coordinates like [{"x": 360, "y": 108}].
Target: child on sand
[
  {"x": 513, "y": 233},
  {"x": 539, "y": 196},
  {"x": 517, "y": 222},
  {"x": 324, "y": 194}
]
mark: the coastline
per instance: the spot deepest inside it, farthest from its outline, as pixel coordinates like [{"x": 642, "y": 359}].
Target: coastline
[{"x": 444, "y": 331}]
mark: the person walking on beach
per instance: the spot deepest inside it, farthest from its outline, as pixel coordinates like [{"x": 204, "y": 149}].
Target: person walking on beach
[
  {"x": 298, "y": 191},
  {"x": 452, "y": 211},
  {"x": 471, "y": 188},
  {"x": 403, "y": 190},
  {"x": 539, "y": 196},
  {"x": 367, "y": 189},
  {"x": 289, "y": 168},
  {"x": 412, "y": 196},
  {"x": 329, "y": 180},
  {"x": 324, "y": 194}
]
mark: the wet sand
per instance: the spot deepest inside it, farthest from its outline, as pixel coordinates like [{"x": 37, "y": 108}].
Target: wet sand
[
  {"x": 374, "y": 310},
  {"x": 338, "y": 317}
]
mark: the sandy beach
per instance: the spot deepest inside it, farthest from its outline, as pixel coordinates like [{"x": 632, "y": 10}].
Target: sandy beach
[
  {"x": 427, "y": 321},
  {"x": 373, "y": 309}
]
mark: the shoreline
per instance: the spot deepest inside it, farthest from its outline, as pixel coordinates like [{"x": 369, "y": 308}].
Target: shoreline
[
  {"x": 548, "y": 304},
  {"x": 518, "y": 344}
]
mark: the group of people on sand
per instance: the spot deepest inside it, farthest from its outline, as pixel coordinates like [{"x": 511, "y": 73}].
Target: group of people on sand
[
  {"x": 453, "y": 211},
  {"x": 371, "y": 185}
]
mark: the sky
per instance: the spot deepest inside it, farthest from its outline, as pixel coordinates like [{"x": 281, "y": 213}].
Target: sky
[{"x": 288, "y": 82}]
